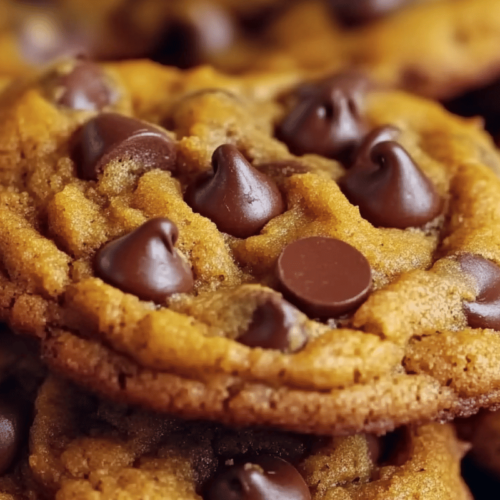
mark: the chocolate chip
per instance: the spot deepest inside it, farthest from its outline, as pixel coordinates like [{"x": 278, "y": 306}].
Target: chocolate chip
[
  {"x": 111, "y": 136},
  {"x": 12, "y": 424},
  {"x": 265, "y": 478},
  {"x": 484, "y": 312},
  {"x": 327, "y": 119},
  {"x": 376, "y": 136},
  {"x": 145, "y": 262},
  {"x": 362, "y": 11},
  {"x": 325, "y": 277},
  {"x": 388, "y": 187},
  {"x": 238, "y": 198},
  {"x": 272, "y": 325},
  {"x": 196, "y": 33},
  {"x": 85, "y": 87}
]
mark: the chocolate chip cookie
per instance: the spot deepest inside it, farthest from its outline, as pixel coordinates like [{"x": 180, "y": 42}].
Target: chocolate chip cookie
[
  {"x": 436, "y": 48},
  {"x": 20, "y": 376},
  {"x": 82, "y": 446},
  {"x": 178, "y": 32},
  {"x": 170, "y": 251}
]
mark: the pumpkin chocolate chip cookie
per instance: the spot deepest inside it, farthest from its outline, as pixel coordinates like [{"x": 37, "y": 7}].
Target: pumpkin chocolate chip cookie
[
  {"x": 82, "y": 447},
  {"x": 21, "y": 374},
  {"x": 177, "y": 32},
  {"x": 436, "y": 48},
  {"x": 170, "y": 251}
]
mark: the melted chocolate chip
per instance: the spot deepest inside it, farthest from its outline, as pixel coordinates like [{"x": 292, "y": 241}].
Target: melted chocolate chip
[
  {"x": 325, "y": 277},
  {"x": 85, "y": 87},
  {"x": 200, "y": 31},
  {"x": 388, "y": 187},
  {"x": 362, "y": 11},
  {"x": 271, "y": 326},
  {"x": 145, "y": 262},
  {"x": 12, "y": 424},
  {"x": 238, "y": 198},
  {"x": 484, "y": 312},
  {"x": 327, "y": 119},
  {"x": 111, "y": 136},
  {"x": 265, "y": 478}
]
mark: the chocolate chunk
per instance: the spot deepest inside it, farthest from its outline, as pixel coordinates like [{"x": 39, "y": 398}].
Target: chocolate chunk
[
  {"x": 85, "y": 87},
  {"x": 12, "y": 426},
  {"x": 484, "y": 312},
  {"x": 199, "y": 31},
  {"x": 271, "y": 326},
  {"x": 362, "y": 11},
  {"x": 238, "y": 198},
  {"x": 145, "y": 262},
  {"x": 325, "y": 277},
  {"x": 388, "y": 187},
  {"x": 327, "y": 119},
  {"x": 111, "y": 136},
  {"x": 265, "y": 478}
]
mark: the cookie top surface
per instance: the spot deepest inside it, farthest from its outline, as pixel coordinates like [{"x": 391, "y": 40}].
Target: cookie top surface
[
  {"x": 86, "y": 448},
  {"x": 169, "y": 250}
]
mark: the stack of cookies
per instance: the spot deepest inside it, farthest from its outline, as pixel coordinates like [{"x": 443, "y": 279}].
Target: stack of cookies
[{"x": 245, "y": 253}]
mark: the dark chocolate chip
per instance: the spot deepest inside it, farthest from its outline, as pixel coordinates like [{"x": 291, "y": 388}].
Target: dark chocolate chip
[
  {"x": 199, "y": 32},
  {"x": 484, "y": 312},
  {"x": 145, "y": 262},
  {"x": 362, "y": 11},
  {"x": 85, "y": 87},
  {"x": 325, "y": 277},
  {"x": 376, "y": 136},
  {"x": 238, "y": 198},
  {"x": 388, "y": 187},
  {"x": 327, "y": 120},
  {"x": 12, "y": 426},
  {"x": 271, "y": 326},
  {"x": 110, "y": 136},
  {"x": 265, "y": 478}
]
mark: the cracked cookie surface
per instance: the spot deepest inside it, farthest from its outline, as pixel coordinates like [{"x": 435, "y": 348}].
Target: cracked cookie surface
[
  {"x": 86, "y": 448},
  {"x": 392, "y": 344}
]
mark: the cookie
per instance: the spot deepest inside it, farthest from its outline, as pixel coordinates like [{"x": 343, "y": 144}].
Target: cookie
[
  {"x": 178, "y": 32},
  {"x": 20, "y": 376},
  {"x": 436, "y": 48},
  {"x": 170, "y": 251},
  {"x": 82, "y": 447}
]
